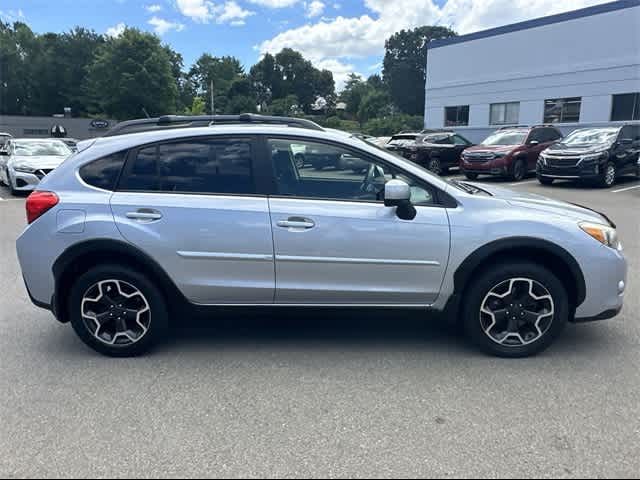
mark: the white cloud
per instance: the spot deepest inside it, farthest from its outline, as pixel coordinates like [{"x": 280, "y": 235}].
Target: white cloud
[
  {"x": 116, "y": 30},
  {"x": 154, "y": 8},
  {"x": 358, "y": 37},
  {"x": 315, "y": 8},
  {"x": 197, "y": 10},
  {"x": 233, "y": 13},
  {"x": 274, "y": 3},
  {"x": 162, "y": 26},
  {"x": 204, "y": 11},
  {"x": 12, "y": 15}
]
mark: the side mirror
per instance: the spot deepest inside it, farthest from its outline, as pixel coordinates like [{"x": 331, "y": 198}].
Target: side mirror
[{"x": 398, "y": 194}]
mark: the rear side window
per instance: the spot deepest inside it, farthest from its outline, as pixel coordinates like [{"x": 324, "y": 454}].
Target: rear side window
[
  {"x": 104, "y": 172},
  {"x": 196, "y": 166}
]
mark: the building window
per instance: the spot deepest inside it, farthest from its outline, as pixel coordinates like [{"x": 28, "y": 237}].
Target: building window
[
  {"x": 562, "y": 110},
  {"x": 505, "y": 113},
  {"x": 625, "y": 107},
  {"x": 456, "y": 116}
]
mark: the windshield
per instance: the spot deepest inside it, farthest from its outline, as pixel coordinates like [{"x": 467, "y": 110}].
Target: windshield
[
  {"x": 506, "y": 138},
  {"x": 591, "y": 136},
  {"x": 35, "y": 148},
  {"x": 403, "y": 140}
]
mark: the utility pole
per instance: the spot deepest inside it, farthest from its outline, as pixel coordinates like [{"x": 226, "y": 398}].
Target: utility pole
[{"x": 213, "y": 106}]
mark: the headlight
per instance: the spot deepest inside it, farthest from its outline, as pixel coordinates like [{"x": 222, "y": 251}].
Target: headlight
[
  {"x": 604, "y": 234},
  {"x": 23, "y": 169},
  {"x": 595, "y": 156},
  {"x": 542, "y": 159}
]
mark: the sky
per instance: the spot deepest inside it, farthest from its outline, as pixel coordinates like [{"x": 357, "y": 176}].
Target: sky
[{"x": 343, "y": 36}]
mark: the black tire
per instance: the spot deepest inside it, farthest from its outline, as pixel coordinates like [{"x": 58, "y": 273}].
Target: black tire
[
  {"x": 2, "y": 181},
  {"x": 433, "y": 164},
  {"x": 545, "y": 180},
  {"x": 519, "y": 170},
  {"x": 471, "y": 176},
  {"x": 608, "y": 175},
  {"x": 476, "y": 294},
  {"x": 158, "y": 320}
]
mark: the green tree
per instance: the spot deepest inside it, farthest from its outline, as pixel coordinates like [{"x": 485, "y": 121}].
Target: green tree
[
  {"x": 197, "y": 107},
  {"x": 375, "y": 103},
  {"x": 222, "y": 71},
  {"x": 18, "y": 45},
  {"x": 130, "y": 73},
  {"x": 405, "y": 62},
  {"x": 287, "y": 74}
]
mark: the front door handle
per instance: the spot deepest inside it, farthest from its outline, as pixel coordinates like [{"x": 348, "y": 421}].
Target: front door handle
[
  {"x": 144, "y": 215},
  {"x": 297, "y": 223}
]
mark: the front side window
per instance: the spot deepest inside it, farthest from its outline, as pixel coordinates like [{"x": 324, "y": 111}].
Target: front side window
[
  {"x": 359, "y": 179},
  {"x": 210, "y": 166},
  {"x": 562, "y": 110},
  {"x": 460, "y": 140},
  {"x": 457, "y": 116},
  {"x": 625, "y": 107},
  {"x": 505, "y": 113}
]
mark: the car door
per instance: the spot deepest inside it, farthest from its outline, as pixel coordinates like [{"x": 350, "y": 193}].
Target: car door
[
  {"x": 533, "y": 151},
  {"x": 627, "y": 148},
  {"x": 336, "y": 243},
  {"x": 461, "y": 144},
  {"x": 193, "y": 206}
]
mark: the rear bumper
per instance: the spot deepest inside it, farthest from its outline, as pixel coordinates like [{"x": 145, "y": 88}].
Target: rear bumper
[{"x": 606, "y": 315}]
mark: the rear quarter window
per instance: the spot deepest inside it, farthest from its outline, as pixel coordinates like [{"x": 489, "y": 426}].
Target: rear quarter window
[{"x": 104, "y": 172}]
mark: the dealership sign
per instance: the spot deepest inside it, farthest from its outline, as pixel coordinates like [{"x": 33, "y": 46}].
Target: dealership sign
[{"x": 99, "y": 124}]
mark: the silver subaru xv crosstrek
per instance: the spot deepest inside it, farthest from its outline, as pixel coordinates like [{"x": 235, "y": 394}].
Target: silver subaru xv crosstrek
[{"x": 137, "y": 229}]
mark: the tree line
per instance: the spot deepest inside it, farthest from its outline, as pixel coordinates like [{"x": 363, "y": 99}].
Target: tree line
[{"x": 135, "y": 74}]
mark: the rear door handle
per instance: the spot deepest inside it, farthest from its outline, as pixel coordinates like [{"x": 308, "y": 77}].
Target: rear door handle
[
  {"x": 145, "y": 215},
  {"x": 297, "y": 223}
]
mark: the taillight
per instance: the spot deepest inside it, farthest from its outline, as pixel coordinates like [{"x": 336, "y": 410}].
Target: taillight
[{"x": 39, "y": 203}]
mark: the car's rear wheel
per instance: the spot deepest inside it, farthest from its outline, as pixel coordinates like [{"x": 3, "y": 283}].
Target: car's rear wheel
[
  {"x": 471, "y": 176},
  {"x": 545, "y": 180},
  {"x": 117, "y": 311},
  {"x": 515, "y": 309},
  {"x": 519, "y": 170}
]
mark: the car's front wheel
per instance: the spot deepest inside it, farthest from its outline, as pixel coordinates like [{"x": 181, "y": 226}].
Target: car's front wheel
[
  {"x": 117, "y": 311},
  {"x": 434, "y": 165},
  {"x": 545, "y": 180},
  {"x": 608, "y": 175},
  {"x": 515, "y": 309}
]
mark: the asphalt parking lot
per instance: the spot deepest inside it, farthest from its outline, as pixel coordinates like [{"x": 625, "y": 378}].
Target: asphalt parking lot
[{"x": 321, "y": 394}]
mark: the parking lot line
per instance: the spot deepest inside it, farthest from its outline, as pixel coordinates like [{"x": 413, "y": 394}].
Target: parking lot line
[
  {"x": 523, "y": 183},
  {"x": 625, "y": 189}
]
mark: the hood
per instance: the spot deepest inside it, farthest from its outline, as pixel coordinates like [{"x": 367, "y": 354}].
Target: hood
[
  {"x": 544, "y": 204},
  {"x": 38, "y": 162},
  {"x": 562, "y": 149}
]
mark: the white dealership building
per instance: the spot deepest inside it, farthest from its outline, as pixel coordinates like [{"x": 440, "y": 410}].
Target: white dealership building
[{"x": 575, "y": 69}]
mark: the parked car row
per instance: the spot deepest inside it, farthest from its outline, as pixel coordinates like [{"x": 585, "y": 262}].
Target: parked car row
[
  {"x": 600, "y": 155},
  {"x": 26, "y": 161}
]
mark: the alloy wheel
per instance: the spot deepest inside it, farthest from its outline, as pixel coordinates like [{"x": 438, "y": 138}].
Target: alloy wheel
[
  {"x": 517, "y": 312},
  {"x": 116, "y": 313},
  {"x": 434, "y": 166},
  {"x": 610, "y": 175}
]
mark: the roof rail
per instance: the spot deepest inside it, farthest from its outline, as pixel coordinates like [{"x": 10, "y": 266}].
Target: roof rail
[
  {"x": 185, "y": 121},
  {"x": 511, "y": 127}
]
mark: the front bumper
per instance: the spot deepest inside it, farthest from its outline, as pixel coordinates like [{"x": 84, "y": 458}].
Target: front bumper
[
  {"x": 24, "y": 182},
  {"x": 578, "y": 172},
  {"x": 605, "y": 274},
  {"x": 490, "y": 167}
]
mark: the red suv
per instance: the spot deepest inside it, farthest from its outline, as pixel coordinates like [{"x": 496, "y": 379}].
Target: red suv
[{"x": 509, "y": 152}]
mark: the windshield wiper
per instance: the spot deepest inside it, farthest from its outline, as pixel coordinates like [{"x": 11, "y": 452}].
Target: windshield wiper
[{"x": 466, "y": 187}]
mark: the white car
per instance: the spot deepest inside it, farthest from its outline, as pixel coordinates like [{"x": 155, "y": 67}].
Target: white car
[{"x": 24, "y": 162}]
